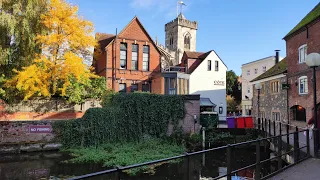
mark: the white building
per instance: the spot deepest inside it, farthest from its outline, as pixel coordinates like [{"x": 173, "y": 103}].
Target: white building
[
  {"x": 207, "y": 78},
  {"x": 250, "y": 71}
]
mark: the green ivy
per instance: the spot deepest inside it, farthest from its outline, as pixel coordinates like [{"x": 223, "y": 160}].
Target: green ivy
[{"x": 129, "y": 118}]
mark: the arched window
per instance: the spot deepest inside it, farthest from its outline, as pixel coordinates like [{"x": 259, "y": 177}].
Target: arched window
[
  {"x": 171, "y": 40},
  {"x": 187, "y": 42}
]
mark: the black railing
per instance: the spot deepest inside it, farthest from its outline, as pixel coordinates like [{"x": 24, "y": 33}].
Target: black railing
[{"x": 229, "y": 148}]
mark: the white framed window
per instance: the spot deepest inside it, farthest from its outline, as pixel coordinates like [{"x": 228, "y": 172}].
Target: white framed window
[
  {"x": 123, "y": 56},
  {"x": 122, "y": 88},
  {"x": 303, "y": 85},
  {"x": 134, "y": 57},
  {"x": 209, "y": 65},
  {"x": 248, "y": 89},
  {"x": 264, "y": 68},
  {"x": 146, "y": 58},
  {"x": 248, "y": 72},
  {"x": 256, "y": 71},
  {"x": 216, "y": 65},
  {"x": 303, "y": 53}
]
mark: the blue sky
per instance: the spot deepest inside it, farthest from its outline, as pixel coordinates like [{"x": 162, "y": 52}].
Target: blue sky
[{"x": 240, "y": 31}]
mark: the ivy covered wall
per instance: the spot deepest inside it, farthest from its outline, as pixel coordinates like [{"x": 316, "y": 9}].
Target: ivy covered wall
[{"x": 130, "y": 117}]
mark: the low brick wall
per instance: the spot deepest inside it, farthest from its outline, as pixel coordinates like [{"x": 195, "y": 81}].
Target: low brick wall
[
  {"x": 32, "y": 116},
  {"x": 44, "y": 109}
]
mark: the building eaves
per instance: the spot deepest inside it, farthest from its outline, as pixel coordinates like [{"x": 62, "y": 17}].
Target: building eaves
[
  {"x": 277, "y": 69},
  {"x": 262, "y": 59}
]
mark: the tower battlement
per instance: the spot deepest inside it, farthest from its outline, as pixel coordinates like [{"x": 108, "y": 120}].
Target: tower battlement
[{"x": 182, "y": 22}]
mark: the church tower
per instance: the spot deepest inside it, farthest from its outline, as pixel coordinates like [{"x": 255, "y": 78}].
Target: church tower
[{"x": 180, "y": 36}]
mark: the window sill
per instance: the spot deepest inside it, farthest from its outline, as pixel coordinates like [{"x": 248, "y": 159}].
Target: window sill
[{"x": 303, "y": 94}]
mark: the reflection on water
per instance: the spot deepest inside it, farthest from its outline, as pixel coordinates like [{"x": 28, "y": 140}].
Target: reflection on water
[{"x": 49, "y": 166}]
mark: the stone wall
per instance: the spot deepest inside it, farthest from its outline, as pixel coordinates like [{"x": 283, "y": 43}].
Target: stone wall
[
  {"x": 271, "y": 102},
  {"x": 18, "y": 136},
  {"x": 19, "y": 132}
]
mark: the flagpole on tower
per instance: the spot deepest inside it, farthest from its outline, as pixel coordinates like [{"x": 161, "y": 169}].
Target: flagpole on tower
[{"x": 181, "y": 3}]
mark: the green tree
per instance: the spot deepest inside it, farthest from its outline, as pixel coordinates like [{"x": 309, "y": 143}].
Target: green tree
[
  {"x": 232, "y": 79},
  {"x": 19, "y": 25}
]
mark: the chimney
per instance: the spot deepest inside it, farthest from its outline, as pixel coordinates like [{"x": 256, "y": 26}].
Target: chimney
[{"x": 277, "y": 56}]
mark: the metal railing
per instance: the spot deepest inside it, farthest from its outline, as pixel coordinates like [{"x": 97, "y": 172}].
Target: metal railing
[{"x": 229, "y": 148}]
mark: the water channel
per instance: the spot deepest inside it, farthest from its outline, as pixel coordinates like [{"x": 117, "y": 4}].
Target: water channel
[{"x": 49, "y": 165}]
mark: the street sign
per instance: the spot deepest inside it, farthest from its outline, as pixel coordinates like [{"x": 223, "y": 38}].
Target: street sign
[{"x": 285, "y": 86}]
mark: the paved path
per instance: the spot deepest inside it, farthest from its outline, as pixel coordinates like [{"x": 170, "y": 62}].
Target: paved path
[{"x": 306, "y": 170}]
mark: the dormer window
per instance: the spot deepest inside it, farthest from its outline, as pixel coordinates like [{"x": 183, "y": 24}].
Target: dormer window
[{"x": 303, "y": 53}]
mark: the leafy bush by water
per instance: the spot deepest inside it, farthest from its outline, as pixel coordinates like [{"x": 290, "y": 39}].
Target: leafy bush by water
[{"x": 124, "y": 154}]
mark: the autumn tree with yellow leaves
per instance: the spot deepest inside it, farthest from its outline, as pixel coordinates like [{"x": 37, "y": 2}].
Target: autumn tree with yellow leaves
[{"x": 59, "y": 70}]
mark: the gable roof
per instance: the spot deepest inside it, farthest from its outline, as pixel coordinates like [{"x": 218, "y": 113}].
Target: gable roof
[
  {"x": 105, "y": 39},
  {"x": 277, "y": 69},
  {"x": 143, "y": 29},
  {"x": 200, "y": 56},
  {"x": 311, "y": 16},
  {"x": 196, "y": 55}
]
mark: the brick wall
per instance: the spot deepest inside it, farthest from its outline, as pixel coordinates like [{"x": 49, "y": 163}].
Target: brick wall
[
  {"x": 296, "y": 70},
  {"x": 45, "y": 109},
  {"x": 192, "y": 107},
  {"x": 270, "y": 102},
  {"x": 132, "y": 34}
]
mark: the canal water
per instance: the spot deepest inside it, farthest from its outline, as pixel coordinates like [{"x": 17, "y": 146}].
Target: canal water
[{"x": 49, "y": 165}]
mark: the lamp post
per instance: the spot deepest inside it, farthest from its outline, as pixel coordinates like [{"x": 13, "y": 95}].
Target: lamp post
[
  {"x": 258, "y": 88},
  {"x": 313, "y": 61}
]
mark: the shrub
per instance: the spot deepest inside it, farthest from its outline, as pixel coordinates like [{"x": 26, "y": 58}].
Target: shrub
[{"x": 209, "y": 120}]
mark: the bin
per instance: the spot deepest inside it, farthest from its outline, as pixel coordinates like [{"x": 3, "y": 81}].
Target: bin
[
  {"x": 248, "y": 122},
  {"x": 240, "y": 122},
  {"x": 231, "y": 121}
]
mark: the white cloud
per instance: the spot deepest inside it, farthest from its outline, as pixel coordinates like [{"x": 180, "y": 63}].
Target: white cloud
[{"x": 159, "y": 7}]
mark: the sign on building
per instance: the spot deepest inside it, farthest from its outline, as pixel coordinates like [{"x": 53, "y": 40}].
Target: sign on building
[
  {"x": 218, "y": 83},
  {"x": 40, "y": 129}
]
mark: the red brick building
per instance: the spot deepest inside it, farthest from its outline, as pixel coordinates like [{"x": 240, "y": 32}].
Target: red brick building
[
  {"x": 303, "y": 39},
  {"x": 130, "y": 60}
]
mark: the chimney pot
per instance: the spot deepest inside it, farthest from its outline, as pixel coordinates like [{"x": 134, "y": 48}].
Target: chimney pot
[{"x": 277, "y": 56}]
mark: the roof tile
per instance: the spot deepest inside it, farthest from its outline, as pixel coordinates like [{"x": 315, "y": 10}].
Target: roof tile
[{"x": 311, "y": 16}]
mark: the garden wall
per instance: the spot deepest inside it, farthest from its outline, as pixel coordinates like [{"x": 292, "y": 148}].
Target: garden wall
[{"x": 44, "y": 109}]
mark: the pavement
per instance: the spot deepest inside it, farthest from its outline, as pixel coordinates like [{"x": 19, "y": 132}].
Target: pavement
[{"x": 305, "y": 170}]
